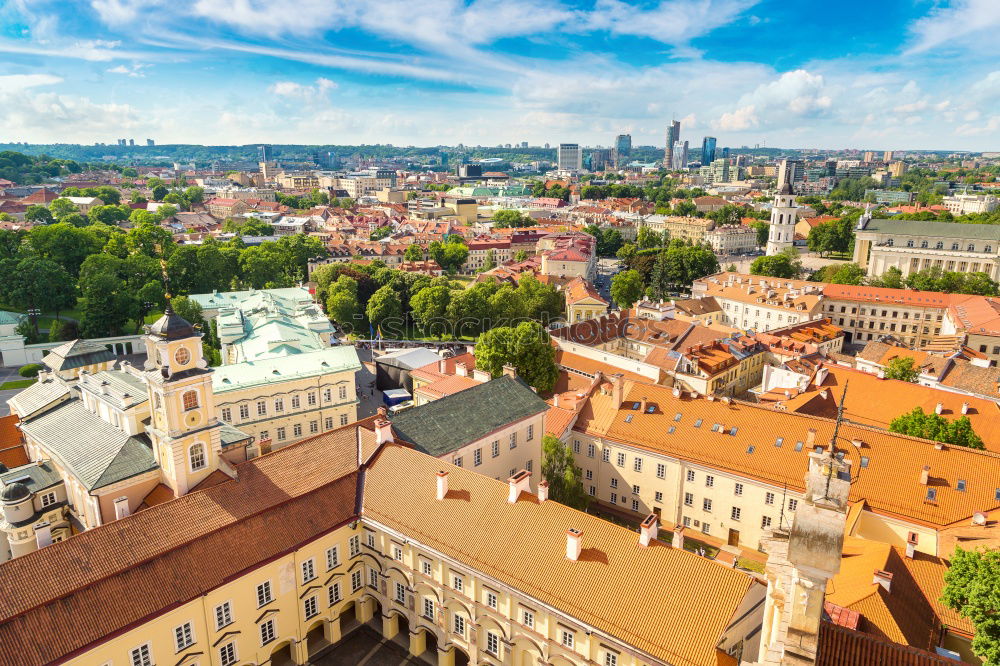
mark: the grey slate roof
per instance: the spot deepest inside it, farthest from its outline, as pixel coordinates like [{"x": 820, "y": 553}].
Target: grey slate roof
[
  {"x": 95, "y": 451},
  {"x": 231, "y": 435},
  {"x": 458, "y": 419},
  {"x": 76, "y": 354},
  {"x": 125, "y": 390},
  {"x": 34, "y": 476},
  {"x": 37, "y": 396},
  {"x": 935, "y": 229}
]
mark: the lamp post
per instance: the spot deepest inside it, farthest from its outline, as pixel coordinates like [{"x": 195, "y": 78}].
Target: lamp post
[{"x": 33, "y": 313}]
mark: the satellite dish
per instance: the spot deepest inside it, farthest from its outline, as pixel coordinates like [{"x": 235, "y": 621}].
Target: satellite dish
[{"x": 979, "y": 518}]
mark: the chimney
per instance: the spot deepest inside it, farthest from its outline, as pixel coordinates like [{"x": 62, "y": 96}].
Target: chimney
[
  {"x": 811, "y": 437},
  {"x": 574, "y": 543},
  {"x": 938, "y": 408},
  {"x": 383, "y": 431},
  {"x": 925, "y": 474},
  {"x": 678, "y": 540},
  {"x": 677, "y": 391},
  {"x": 617, "y": 389},
  {"x": 648, "y": 530},
  {"x": 481, "y": 376},
  {"x": 555, "y": 400},
  {"x": 965, "y": 408},
  {"x": 443, "y": 366},
  {"x": 911, "y": 544},
  {"x": 642, "y": 404},
  {"x": 121, "y": 508},
  {"x": 382, "y": 412},
  {"x": 43, "y": 534},
  {"x": 509, "y": 370},
  {"x": 883, "y": 578},
  {"x": 442, "y": 485},
  {"x": 461, "y": 370},
  {"x": 543, "y": 491},
  {"x": 519, "y": 482}
]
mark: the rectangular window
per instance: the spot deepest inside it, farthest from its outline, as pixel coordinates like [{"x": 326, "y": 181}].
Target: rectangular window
[
  {"x": 332, "y": 557},
  {"x": 354, "y": 543},
  {"x": 661, "y": 471},
  {"x": 328, "y": 423},
  {"x": 310, "y": 399},
  {"x": 477, "y": 457},
  {"x": 373, "y": 579},
  {"x": 635, "y": 505},
  {"x": 606, "y": 455},
  {"x": 513, "y": 440},
  {"x": 397, "y": 553},
  {"x": 621, "y": 460},
  {"x": 295, "y": 402},
  {"x": 183, "y": 636},
  {"x": 492, "y": 644},
  {"x": 614, "y": 498},
  {"x": 590, "y": 475},
  {"x": 308, "y": 570},
  {"x": 658, "y": 496},
  {"x": 637, "y": 464},
  {"x": 313, "y": 427},
  {"x": 223, "y": 615},
  {"x": 370, "y": 539},
  {"x": 531, "y": 433},
  {"x": 768, "y": 498},
  {"x": 400, "y": 593},
  {"x": 429, "y": 608},
  {"x": 528, "y": 619},
  {"x": 491, "y": 600},
  {"x": 567, "y": 638},
  {"x": 705, "y": 528},
  {"x": 261, "y": 408},
  {"x": 279, "y": 405},
  {"x": 244, "y": 411},
  {"x": 227, "y": 414},
  {"x": 343, "y": 419},
  {"x": 635, "y": 490},
  {"x": 688, "y": 499},
  {"x": 297, "y": 430},
  {"x": 610, "y": 659},
  {"x": 458, "y": 463},
  {"x": 355, "y": 581},
  {"x": 327, "y": 395},
  {"x": 590, "y": 450},
  {"x": 735, "y": 513},
  {"x": 227, "y": 654},
  {"x": 614, "y": 482},
  {"x": 264, "y": 593},
  {"x": 334, "y": 593},
  {"x": 495, "y": 448},
  {"x": 706, "y": 504},
  {"x": 310, "y": 607},
  {"x": 709, "y": 481},
  {"x": 281, "y": 434},
  {"x": 267, "y": 632},
  {"x": 690, "y": 475},
  {"x": 738, "y": 489},
  {"x": 48, "y": 499},
  {"x": 457, "y": 583},
  {"x": 342, "y": 392},
  {"x": 765, "y": 522},
  {"x": 793, "y": 504},
  {"x": 459, "y": 625},
  {"x": 425, "y": 567},
  {"x": 576, "y": 446}
]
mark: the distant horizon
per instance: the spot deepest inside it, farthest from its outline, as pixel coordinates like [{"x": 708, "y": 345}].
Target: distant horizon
[{"x": 893, "y": 74}]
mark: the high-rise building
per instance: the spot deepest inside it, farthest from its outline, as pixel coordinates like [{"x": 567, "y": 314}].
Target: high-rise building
[
  {"x": 869, "y": 156},
  {"x": 150, "y": 142},
  {"x": 623, "y": 144},
  {"x": 887, "y": 156},
  {"x": 569, "y": 157},
  {"x": 600, "y": 159},
  {"x": 131, "y": 142},
  {"x": 673, "y": 136},
  {"x": 897, "y": 169},
  {"x": 725, "y": 152},
  {"x": 680, "y": 155},
  {"x": 266, "y": 153},
  {"x": 791, "y": 172},
  {"x": 707, "y": 150}
]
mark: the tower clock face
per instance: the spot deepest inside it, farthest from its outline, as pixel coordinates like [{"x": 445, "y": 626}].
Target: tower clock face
[
  {"x": 182, "y": 356},
  {"x": 192, "y": 418}
]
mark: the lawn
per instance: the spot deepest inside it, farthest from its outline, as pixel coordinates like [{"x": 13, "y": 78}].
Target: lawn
[{"x": 17, "y": 384}]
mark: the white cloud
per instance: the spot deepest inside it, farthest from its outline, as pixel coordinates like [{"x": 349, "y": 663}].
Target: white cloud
[
  {"x": 15, "y": 82},
  {"x": 741, "y": 119},
  {"x": 954, "y": 26},
  {"x": 135, "y": 71},
  {"x": 789, "y": 99},
  {"x": 120, "y": 12},
  {"x": 304, "y": 92},
  {"x": 670, "y": 22},
  {"x": 48, "y": 116}
]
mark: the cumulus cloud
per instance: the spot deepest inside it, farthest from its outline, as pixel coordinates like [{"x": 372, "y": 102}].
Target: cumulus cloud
[
  {"x": 49, "y": 116},
  {"x": 792, "y": 97},
  {"x": 135, "y": 71},
  {"x": 955, "y": 25},
  {"x": 301, "y": 91}
]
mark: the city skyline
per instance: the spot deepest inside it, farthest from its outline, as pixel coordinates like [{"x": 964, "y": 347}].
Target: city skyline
[{"x": 744, "y": 71}]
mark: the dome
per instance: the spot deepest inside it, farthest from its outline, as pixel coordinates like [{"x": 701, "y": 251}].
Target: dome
[
  {"x": 172, "y": 326},
  {"x": 785, "y": 189},
  {"x": 15, "y": 492}
]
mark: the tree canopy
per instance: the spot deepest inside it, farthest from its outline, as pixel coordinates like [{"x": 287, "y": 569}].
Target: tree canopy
[
  {"x": 527, "y": 347},
  {"x": 971, "y": 585},
  {"x": 937, "y": 428},
  {"x": 565, "y": 479}
]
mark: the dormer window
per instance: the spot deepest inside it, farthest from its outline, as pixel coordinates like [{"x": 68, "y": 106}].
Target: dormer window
[
  {"x": 939, "y": 245},
  {"x": 923, "y": 244},
  {"x": 954, "y": 246},
  {"x": 190, "y": 400},
  {"x": 890, "y": 242},
  {"x": 909, "y": 243},
  {"x": 972, "y": 247}
]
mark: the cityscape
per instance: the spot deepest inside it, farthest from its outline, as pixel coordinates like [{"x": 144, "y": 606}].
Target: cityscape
[{"x": 499, "y": 332}]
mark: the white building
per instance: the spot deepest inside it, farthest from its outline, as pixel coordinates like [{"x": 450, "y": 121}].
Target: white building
[
  {"x": 570, "y": 157},
  {"x": 964, "y": 204},
  {"x": 783, "y": 214}
]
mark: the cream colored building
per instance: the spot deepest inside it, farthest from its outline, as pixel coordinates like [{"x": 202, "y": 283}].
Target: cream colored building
[
  {"x": 732, "y": 240},
  {"x": 761, "y": 303},
  {"x": 693, "y": 229}
]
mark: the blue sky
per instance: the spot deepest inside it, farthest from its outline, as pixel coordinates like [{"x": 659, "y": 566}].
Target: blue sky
[{"x": 877, "y": 74}]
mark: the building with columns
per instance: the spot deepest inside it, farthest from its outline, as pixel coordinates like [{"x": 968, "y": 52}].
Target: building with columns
[
  {"x": 454, "y": 566},
  {"x": 783, "y": 215}
]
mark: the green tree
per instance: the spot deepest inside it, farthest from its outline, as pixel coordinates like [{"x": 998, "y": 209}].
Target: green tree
[
  {"x": 763, "y": 230},
  {"x": 342, "y": 306},
  {"x": 971, "y": 583},
  {"x": 62, "y": 207},
  {"x": 647, "y": 238},
  {"x": 565, "y": 479},
  {"x": 429, "y": 306},
  {"x": 937, "y": 428},
  {"x": 36, "y": 285},
  {"x": 383, "y": 306},
  {"x": 159, "y": 192},
  {"x": 902, "y": 368},
  {"x": 527, "y": 347},
  {"x": 414, "y": 253},
  {"x": 626, "y": 252},
  {"x": 626, "y": 288},
  {"x": 38, "y": 214},
  {"x": 506, "y": 218},
  {"x": 491, "y": 260},
  {"x": 148, "y": 298},
  {"x": 520, "y": 255},
  {"x": 106, "y": 306},
  {"x": 62, "y": 329},
  {"x": 111, "y": 215},
  {"x": 777, "y": 265}
]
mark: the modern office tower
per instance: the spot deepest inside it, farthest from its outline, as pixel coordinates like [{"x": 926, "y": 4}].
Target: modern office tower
[
  {"x": 569, "y": 157},
  {"x": 680, "y": 155},
  {"x": 623, "y": 144},
  {"x": 673, "y": 136},
  {"x": 707, "y": 150},
  {"x": 150, "y": 142},
  {"x": 791, "y": 172},
  {"x": 266, "y": 153}
]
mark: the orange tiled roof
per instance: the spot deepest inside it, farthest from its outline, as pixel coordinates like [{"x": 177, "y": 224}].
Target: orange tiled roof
[
  {"x": 448, "y": 385},
  {"x": 612, "y": 578},
  {"x": 839, "y": 646},
  {"x": 887, "y": 295},
  {"x": 578, "y": 289},
  {"x": 890, "y": 483}
]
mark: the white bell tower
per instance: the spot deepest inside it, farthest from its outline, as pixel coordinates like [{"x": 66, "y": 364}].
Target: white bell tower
[{"x": 783, "y": 214}]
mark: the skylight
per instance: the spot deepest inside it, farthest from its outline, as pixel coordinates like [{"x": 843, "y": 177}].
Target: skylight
[
  {"x": 751, "y": 448},
  {"x": 635, "y": 405},
  {"x": 779, "y": 441},
  {"x": 697, "y": 424},
  {"x": 671, "y": 429},
  {"x": 864, "y": 461},
  {"x": 628, "y": 419},
  {"x": 961, "y": 485},
  {"x": 733, "y": 430},
  {"x": 932, "y": 494},
  {"x": 651, "y": 408},
  {"x": 798, "y": 446},
  {"x": 677, "y": 416}
]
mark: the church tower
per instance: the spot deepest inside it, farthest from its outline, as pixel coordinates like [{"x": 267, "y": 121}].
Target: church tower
[
  {"x": 184, "y": 429},
  {"x": 783, "y": 213}
]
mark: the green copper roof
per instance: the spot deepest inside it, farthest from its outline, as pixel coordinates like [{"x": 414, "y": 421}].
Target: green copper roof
[
  {"x": 10, "y": 318},
  {"x": 284, "y": 368},
  {"x": 461, "y": 418},
  {"x": 935, "y": 229}
]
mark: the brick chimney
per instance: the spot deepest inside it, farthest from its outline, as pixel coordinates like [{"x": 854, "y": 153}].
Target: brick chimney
[
  {"x": 481, "y": 375},
  {"x": 543, "y": 491},
  {"x": 518, "y": 483},
  {"x": 461, "y": 369},
  {"x": 382, "y": 412},
  {"x": 925, "y": 474},
  {"x": 648, "y": 530},
  {"x": 883, "y": 578},
  {"x": 678, "y": 540},
  {"x": 911, "y": 544},
  {"x": 617, "y": 389},
  {"x": 574, "y": 543},
  {"x": 383, "y": 431},
  {"x": 442, "y": 485},
  {"x": 811, "y": 437},
  {"x": 121, "y": 507},
  {"x": 443, "y": 366},
  {"x": 509, "y": 370}
]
